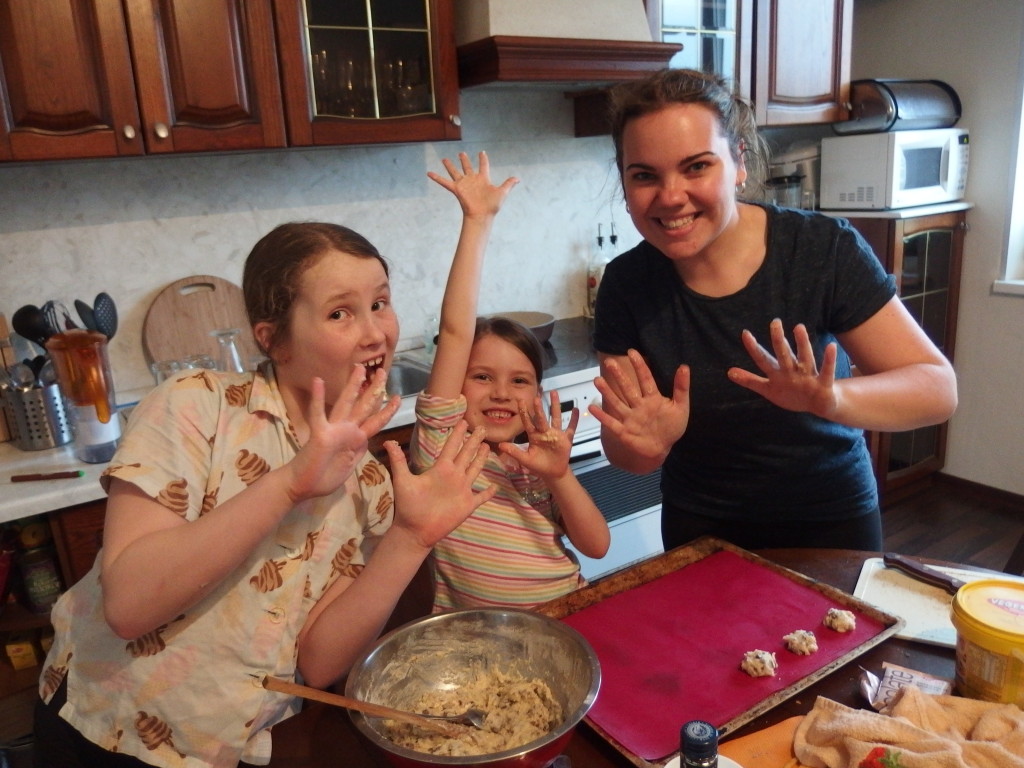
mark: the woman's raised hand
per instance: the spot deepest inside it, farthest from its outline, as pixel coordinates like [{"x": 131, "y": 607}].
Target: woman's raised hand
[
  {"x": 791, "y": 380},
  {"x": 338, "y": 438},
  {"x": 473, "y": 189},
  {"x": 432, "y": 504},
  {"x": 641, "y": 419},
  {"x": 547, "y": 455}
]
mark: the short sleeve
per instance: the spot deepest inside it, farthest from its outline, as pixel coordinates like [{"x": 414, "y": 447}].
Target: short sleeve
[
  {"x": 862, "y": 285},
  {"x": 167, "y": 450}
]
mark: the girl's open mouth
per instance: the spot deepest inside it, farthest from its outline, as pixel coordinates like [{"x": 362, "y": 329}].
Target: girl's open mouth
[{"x": 372, "y": 366}]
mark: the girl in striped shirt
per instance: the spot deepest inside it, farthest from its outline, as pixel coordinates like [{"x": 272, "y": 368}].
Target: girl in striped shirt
[{"x": 509, "y": 552}]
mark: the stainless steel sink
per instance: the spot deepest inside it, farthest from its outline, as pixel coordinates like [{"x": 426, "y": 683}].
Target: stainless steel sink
[{"x": 406, "y": 379}]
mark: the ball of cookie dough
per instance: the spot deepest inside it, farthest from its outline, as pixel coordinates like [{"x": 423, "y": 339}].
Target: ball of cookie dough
[
  {"x": 759, "y": 663},
  {"x": 802, "y": 642},
  {"x": 840, "y": 620}
]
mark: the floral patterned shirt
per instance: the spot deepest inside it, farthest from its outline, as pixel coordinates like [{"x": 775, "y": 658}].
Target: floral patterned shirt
[{"x": 189, "y": 693}]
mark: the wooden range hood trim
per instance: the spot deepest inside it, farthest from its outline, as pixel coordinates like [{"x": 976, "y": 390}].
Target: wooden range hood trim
[{"x": 513, "y": 59}]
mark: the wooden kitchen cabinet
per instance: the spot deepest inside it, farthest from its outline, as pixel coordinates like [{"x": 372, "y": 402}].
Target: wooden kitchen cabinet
[
  {"x": 105, "y": 78},
  {"x": 790, "y": 58},
  {"x": 382, "y": 71},
  {"x": 925, "y": 254},
  {"x": 78, "y": 536}
]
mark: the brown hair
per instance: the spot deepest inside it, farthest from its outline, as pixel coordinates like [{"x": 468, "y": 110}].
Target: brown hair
[
  {"x": 270, "y": 280},
  {"x": 666, "y": 87},
  {"x": 516, "y": 334}
]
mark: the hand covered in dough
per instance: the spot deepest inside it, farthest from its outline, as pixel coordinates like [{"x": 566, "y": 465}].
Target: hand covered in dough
[{"x": 791, "y": 380}]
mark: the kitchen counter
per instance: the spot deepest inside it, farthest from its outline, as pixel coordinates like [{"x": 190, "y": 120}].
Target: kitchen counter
[
  {"x": 19, "y": 500},
  {"x": 900, "y": 213},
  {"x": 569, "y": 359}
]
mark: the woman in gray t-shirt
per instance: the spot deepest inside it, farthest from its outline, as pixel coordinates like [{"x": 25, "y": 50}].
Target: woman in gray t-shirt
[{"x": 726, "y": 337}]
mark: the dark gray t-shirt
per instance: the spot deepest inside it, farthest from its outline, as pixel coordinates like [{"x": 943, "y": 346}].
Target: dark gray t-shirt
[{"x": 742, "y": 456}]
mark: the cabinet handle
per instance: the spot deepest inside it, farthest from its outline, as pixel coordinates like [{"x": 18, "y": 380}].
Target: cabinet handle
[
  {"x": 161, "y": 131},
  {"x": 455, "y": 120},
  {"x": 129, "y": 132}
]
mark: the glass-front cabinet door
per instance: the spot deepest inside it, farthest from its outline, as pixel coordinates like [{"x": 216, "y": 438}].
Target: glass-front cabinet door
[
  {"x": 368, "y": 70},
  {"x": 707, "y": 30},
  {"x": 789, "y": 58},
  {"x": 925, "y": 254}
]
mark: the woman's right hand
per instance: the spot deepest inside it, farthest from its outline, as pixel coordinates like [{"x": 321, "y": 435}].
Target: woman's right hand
[
  {"x": 641, "y": 420},
  {"x": 337, "y": 439},
  {"x": 432, "y": 504}
]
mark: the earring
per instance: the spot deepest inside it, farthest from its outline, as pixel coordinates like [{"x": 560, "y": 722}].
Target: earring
[{"x": 741, "y": 187}]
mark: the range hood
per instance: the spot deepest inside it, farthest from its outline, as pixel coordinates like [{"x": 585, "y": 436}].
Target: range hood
[{"x": 563, "y": 42}]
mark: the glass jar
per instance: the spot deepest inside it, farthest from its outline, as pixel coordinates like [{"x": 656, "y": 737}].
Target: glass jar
[
  {"x": 40, "y": 578},
  {"x": 83, "y": 373}
]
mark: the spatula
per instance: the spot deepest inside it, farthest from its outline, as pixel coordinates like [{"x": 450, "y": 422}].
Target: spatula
[
  {"x": 105, "y": 313},
  {"x": 439, "y": 723}
]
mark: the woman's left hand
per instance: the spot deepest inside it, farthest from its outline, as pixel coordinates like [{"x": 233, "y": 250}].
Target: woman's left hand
[
  {"x": 791, "y": 380},
  {"x": 547, "y": 455}
]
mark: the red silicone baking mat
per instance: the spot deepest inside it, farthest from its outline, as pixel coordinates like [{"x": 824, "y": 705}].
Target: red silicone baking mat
[{"x": 670, "y": 647}]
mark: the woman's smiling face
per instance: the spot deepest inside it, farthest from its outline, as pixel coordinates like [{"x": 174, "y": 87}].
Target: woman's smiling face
[
  {"x": 679, "y": 178},
  {"x": 499, "y": 376},
  {"x": 342, "y": 315}
]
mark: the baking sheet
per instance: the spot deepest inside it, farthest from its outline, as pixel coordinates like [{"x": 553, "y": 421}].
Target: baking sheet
[
  {"x": 670, "y": 633},
  {"x": 925, "y": 608}
]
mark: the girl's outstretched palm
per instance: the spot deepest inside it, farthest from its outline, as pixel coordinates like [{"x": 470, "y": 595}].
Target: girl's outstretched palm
[
  {"x": 337, "y": 438},
  {"x": 432, "y": 504},
  {"x": 547, "y": 455},
  {"x": 473, "y": 189}
]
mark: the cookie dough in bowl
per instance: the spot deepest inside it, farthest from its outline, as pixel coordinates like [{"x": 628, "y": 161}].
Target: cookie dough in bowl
[{"x": 535, "y": 676}]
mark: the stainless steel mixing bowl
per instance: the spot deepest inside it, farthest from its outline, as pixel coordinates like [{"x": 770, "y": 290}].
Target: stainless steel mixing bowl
[{"x": 443, "y": 651}]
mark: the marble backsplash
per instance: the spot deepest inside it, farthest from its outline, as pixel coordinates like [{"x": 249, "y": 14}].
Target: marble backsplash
[{"x": 129, "y": 227}]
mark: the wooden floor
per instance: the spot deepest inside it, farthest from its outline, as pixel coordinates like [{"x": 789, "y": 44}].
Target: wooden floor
[{"x": 958, "y": 521}]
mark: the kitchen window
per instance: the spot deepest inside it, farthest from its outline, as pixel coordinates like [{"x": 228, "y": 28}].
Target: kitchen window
[{"x": 1013, "y": 267}]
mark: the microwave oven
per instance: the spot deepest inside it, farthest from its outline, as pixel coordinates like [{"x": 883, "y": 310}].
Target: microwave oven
[{"x": 895, "y": 169}]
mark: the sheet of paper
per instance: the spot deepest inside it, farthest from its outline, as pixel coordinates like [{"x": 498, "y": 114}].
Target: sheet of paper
[{"x": 924, "y": 607}]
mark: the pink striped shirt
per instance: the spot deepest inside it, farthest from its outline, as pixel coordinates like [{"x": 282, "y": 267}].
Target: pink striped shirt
[{"x": 509, "y": 552}]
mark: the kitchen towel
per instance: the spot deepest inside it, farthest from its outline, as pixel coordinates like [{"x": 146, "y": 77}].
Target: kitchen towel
[
  {"x": 917, "y": 731},
  {"x": 770, "y": 747}
]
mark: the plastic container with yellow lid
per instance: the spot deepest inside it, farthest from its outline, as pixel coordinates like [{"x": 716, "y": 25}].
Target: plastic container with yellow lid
[{"x": 989, "y": 619}]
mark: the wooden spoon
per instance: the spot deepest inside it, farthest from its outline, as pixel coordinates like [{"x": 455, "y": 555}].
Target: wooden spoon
[{"x": 374, "y": 710}]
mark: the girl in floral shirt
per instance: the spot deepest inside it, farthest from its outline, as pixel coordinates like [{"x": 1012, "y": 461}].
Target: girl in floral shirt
[{"x": 248, "y": 531}]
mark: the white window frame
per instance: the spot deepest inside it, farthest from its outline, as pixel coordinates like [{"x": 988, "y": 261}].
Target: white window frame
[{"x": 1012, "y": 281}]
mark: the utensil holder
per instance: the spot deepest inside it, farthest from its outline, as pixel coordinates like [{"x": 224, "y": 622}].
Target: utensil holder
[{"x": 38, "y": 417}]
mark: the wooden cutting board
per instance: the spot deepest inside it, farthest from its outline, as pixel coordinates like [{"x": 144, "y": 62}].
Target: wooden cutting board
[{"x": 179, "y": 321}]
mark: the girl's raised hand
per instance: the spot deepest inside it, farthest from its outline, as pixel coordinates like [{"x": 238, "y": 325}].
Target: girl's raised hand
[
  {"x": 547, "y": 455},
  {"x": 338, "y": 438},
  {"x": 473, "y": 189},
  {"x": 432, "y": 504},
  {"x": 790, "y": 381},
  {"x": 636, "y": 413}
]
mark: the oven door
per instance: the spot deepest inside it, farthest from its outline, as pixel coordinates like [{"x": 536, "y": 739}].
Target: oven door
[{"x": 630, "y": 503}]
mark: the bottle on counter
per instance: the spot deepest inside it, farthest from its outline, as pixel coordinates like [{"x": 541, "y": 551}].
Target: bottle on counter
[
  {"x": 599, "y": 258},
  {"x": 83, "y": 373},
  {"x": 698, "y": 745}
]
